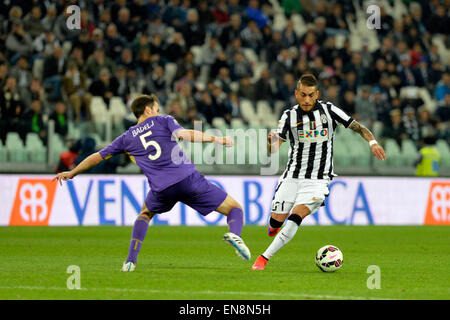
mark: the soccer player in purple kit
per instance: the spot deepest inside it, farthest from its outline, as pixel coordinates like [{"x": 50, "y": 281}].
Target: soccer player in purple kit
[{"x": 152, "y": 145}]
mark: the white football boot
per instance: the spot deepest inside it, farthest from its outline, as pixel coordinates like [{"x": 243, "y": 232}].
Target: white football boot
[
  {"x": 239, "y": 245},
  {"x": 128, "y": 267}
]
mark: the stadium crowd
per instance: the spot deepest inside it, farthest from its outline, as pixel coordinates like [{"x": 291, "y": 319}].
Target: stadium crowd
[{"x": 126, "y": 46}]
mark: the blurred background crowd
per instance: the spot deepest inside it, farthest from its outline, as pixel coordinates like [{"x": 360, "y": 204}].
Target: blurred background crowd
[{"x": 213, "y": 60}]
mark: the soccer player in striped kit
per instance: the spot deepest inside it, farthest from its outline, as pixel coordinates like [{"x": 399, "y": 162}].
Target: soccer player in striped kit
[{"x": 303, "y": 186}]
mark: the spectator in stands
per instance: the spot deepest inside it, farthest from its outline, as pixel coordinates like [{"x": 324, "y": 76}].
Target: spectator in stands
[
  {"x": 18, "y": 42},
  {"x": 32, "y": 22},
  {"x": 439, "y": 21},
  {"x": 113, "y": 41},
  {"x": 59, "y": 116},
  {"x": 220, "y": 106},
  {"x": 184, "y": 64},
  {"x": 85, "y": 42},
  {"x": 176, "y": 48},
  {"x": 348, "y": 102},
  {"x": 286, "y": 89},
  {"x": 282, "y": 65},
  {"x": 210, "y": 51},
  {"x": 356, "y": 66},
  {"x": 126, "y": 59},
  {"x": 9, "y": 98},
  {"x": 254, "y": 12},
  {"x": 264, "y": 88},
  {"x": 49, "y": 20},
  {"x": 67, "y": 158},
  {"x": 223, "y": 79},
  {"x": 34, "y": 121},
  {"x": 104, "y": 86},
  {"x": 247, "y": 89},
  {"x": 4, "y": 70},
  {"x": 374, "y": 74},
  {"x": 45, "y": 43},
  {"x": 144, "y": 63},
  {"x": 291, "y": 7},
  {"x": 98, "y": 39},
  {"x": 409, "y": 76},
  {"x": 442, "y": 87},
  {"x": 125, "y": 26},
  {"x": 234, "y": 106},
  {"x": 104, "y": 20},
  {"x": 97, "y": 61},
  {"x": 192, "y": 32},
  {"x": 62, "y": 31},
  {"x": 429, "y": 124},
  {"x": 234, "y": 7},
  {"x": 22, "y": 73},
  {"x": 336, "y": 20},
  {"x": 219, "y": 12},
  {"x": 231, "y": 31},
  {"x": 156, "y": 83},
  {"x": 309, "y": 48},
  {"x": 219, "y": 63},
  {"x": 252, "y": 37},
  {"x": 204, "y": 103},
  {"x": 328, "y": 51},
  {"x": 320, "y": 29},
  {"x": 174, "y": 15},
  {"x": 395, "y": 128},
  {"x": 443, "y": 110},
  {"x": 365, "y": 110},
  {"x": 411, "y": 124},
  {"x": 36, "y": 92},
  {"x": 273, "y": 47},
  {"x": 54, "y": 67}
]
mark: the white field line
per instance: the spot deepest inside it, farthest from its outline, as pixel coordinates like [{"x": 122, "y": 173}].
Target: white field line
[{"x": 205, "y": 292}]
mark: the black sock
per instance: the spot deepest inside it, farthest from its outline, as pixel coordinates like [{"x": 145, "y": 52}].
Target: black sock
[
  {"x": 274, "y": 224},
  {"x": 296, "y": 218}
]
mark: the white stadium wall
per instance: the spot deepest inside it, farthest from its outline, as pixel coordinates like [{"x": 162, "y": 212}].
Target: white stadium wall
[{"x": 116, "y": 200}]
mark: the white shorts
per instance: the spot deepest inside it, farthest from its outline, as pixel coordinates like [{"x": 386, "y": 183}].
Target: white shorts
[{"x": 291, "y": 192}]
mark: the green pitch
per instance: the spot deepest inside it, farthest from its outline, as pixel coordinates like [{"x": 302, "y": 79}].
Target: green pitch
[{"x": 194, "y": 263}]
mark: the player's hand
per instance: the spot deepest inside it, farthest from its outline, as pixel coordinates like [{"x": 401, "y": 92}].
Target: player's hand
[
  {"x": 272, "y": 137},
  {"x": 63, "y": 176},
  {"x": 228, "y": 141},
  {"x": 378, "y": 152}
]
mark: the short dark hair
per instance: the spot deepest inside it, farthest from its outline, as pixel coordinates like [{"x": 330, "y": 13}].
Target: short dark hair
[
  {"x": 308, "y": 80},
  {"x": 142, "y": 101}
]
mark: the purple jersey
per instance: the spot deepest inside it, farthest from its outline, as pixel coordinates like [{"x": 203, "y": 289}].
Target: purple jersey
[{"x": 152, "y": 145}]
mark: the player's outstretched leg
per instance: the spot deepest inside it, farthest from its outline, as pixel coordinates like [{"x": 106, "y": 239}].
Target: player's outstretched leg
[
  {"x": 283, "y": 237},
  {"x": 235, "y": 220},
  {"x": 137, "y": 237}
]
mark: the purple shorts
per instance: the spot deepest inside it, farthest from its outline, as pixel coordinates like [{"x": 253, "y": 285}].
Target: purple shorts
[{"x": 195, "y": 191}]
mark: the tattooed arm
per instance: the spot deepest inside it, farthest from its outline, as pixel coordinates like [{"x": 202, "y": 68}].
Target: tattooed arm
[{"x": 377, "y": 150}]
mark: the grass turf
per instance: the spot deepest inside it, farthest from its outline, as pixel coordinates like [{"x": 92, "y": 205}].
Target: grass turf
[{"x": 194, "y": 263}]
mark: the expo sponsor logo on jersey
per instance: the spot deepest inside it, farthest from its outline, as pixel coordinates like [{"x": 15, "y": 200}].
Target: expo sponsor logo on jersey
[
  {"x": 438, "y": 208},
  {"x": 33, "y": 202},
  {"x": 313, "y": 135}
]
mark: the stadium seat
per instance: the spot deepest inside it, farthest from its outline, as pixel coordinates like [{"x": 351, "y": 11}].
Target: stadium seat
[
  {"x": 15, "y": 148},
  {"x": 341, "y": 153},
  {"x": 3, "y": 154},
  {"x": 98, "y": 109},
  {"x": 299, "y": 24},
  {"x": 409, "y": 152},
  {"x": 393, "y": 153},
  {"x": 117, "y": 110},
  {"x": 444, "y": 150},
  {"x": 35, "y": 149},
  {"x": 248, "y": 110},
  {"x": 238, "y": 123},
  {"x": 170, "y": 70}
]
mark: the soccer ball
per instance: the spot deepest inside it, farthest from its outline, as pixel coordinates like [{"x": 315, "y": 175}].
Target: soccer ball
[{"x": 329, "y": 258}]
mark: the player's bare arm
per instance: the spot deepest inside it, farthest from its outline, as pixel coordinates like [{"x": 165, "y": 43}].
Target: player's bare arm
[
  {"x": 377, "y": 150},
  {"x": 91, "y": 161},
  {"x": 273, "y": 142},
  {"x": 198, "y": 136}
]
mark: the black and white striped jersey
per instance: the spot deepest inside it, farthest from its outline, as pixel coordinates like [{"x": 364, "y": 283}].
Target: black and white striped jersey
[{"x": 311, "y": 136}]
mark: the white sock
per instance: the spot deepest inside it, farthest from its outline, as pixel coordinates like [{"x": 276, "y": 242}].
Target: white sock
[{"x": 282, "y": 238}]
